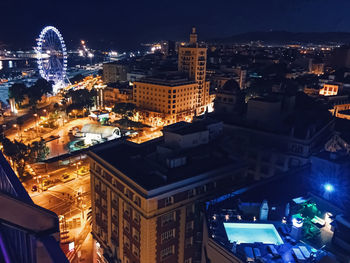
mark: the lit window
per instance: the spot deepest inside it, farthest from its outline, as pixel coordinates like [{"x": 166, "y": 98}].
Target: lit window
[
  {"x": 188, "y": 242},
  {"x": 169, "y": 200},
  {"x": 167, "y": 252},
  {"x": 135, "y": 250},
  {"x": 167, "y": 235},
  {"x": 167, "y": 218}
]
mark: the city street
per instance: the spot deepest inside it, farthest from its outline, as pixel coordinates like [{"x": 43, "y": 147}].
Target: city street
[{"x": 71, "y": 202}]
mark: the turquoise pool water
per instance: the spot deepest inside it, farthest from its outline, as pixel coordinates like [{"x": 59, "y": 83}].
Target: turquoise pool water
[{"x": 251, "y": 233}]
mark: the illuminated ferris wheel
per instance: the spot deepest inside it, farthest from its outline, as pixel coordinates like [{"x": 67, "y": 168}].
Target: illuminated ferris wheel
[{"x": 52, "y": 56}]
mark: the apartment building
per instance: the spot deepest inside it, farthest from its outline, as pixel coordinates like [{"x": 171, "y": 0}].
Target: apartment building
[
  {"x": 170, "y": 97},
  {"x": 146, "y": 198}
]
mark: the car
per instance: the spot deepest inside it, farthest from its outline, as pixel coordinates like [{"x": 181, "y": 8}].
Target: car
[
  {"x": 34, "y": 188},
  {"x": 83, "y": 170},
  {"x": 47, "y": 184},
  {"x": 67, "y": 177}
]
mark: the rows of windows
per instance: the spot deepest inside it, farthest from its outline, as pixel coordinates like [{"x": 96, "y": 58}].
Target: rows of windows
[
  {"x": 168, "y": 218},
  {"x": 192, "y": 192},
  {"x": 167, "y": 235},
  {"x": 167, "y": 252}
]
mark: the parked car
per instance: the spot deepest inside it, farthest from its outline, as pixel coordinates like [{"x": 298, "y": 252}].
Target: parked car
[
  {"x": 34, "y": 188},
  {"x": 83, "y": 170},
  {"x": 67, "y": 177},
  {"x": 47, "y": 184}
]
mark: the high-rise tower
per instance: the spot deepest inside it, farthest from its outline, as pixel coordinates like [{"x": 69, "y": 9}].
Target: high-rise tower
[{"x": 192, "y": 59}]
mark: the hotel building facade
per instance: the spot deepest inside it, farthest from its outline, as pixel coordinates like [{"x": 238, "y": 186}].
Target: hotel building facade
[{"x": 146, "y": 199}]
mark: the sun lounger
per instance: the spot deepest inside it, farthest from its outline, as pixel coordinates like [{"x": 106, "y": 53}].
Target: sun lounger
[
  {"x": 305, "y": 251},
  {"x": 298, "y": 255},
  {"x": 249, "y": 254}
]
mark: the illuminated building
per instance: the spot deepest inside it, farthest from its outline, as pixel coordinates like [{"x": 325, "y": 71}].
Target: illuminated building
[
  {"x": 169, "y": 98},
  {"x": 113, "y": 95},
  {"x": 316, "y": 68},
  {"x": 329, "y": 89},
  {"x": 146, "y": 198},
  {"x": 114, "y": 72},
  {"x": 192, "y": 60}
]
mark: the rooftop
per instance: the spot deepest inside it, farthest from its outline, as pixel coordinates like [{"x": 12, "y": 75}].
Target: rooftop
[
  {"x": 244, "y": 206},
  {"x": 148, "y": 168},
  {"x": 171, "y": 79}
]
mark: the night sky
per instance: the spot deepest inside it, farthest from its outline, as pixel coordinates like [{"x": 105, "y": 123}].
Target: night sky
[{"x": 125, "y": 24}]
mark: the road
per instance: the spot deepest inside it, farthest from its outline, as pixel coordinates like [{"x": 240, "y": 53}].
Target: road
[
  {"x": 71, "y": 202},
  {"x": 62, "y": 198}
]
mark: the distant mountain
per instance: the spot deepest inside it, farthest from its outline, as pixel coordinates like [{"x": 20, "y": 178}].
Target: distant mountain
[{"x": 284, "y": 37}]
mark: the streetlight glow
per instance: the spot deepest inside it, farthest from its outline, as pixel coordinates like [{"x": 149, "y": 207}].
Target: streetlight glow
[{"x": 329, "y": 187}]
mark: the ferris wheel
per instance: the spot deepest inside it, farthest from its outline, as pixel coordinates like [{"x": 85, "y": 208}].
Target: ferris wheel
[{"x": 52, "y": 56}]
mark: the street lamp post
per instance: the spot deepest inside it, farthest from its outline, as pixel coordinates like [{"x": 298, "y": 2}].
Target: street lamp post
[
  {"x": 77, "y": 165},
  {"x": 36, "y": 123}
]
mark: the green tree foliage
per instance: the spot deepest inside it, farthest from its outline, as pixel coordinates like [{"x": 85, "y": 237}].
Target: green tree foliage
[
  {"x": 19, "y": 153},
  {"x": 40, "y": 88},
  {"x": 81, "y": 98},
  {"x": 126, "y": 110},
  {"x": 39, "y": 151},
  {"x": 17, "y": 92}
]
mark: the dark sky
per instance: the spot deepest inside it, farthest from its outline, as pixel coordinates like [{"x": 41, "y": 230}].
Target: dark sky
[{"x": 124, "y": 24}]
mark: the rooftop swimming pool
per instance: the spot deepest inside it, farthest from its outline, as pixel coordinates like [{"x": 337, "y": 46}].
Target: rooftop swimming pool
[{"x": 251, "y": 233}]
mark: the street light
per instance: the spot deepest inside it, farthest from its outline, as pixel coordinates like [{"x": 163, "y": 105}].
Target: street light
[
  {"x": 77, "y": 165},
  {"x": 36, "y": 122},
  {"x": 329, "y": 187}
]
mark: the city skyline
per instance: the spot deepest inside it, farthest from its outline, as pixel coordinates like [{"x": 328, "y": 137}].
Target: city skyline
[
  {"x": 173, "y": 131},
  {"x": 123, "y": 25}
]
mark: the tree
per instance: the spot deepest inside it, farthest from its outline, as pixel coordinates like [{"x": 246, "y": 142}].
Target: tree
[
  {"x": 17, "y": 92},
  {"x": 40, "y": 88},
  {"x": 20, "y": 122},
  {"x": 39, "y": 151},
  {"x": 19, "y": 153},
  {"x": 126, "y": 110},
  {"x": 81, "y": 98}
]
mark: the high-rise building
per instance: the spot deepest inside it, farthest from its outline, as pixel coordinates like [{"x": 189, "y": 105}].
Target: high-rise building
[
  {"x": 192, "y": 60},
  {"x": 168, "y": 98},
  {"x": 147, "y": 198}
]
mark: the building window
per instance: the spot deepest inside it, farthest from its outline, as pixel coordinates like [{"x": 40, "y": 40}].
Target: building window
[
  {"x": 127, "y": 209},
  {"x": 137, "y": 200},
  {"x": 191, "y": 193},
  {"x": 136, "y": 216},
  {"x": 135, "y": 251},
  {"x": 168, "y": 218},
  {"x": 189, "y": 226},
  {"x": 126, "y": 242},
  {"x": 167, "y": 252},
  {"x": 169, "y": 200},
  {"x": 135, "y": 234},
  {"x": 126, "y": 226},
  {"x": 189, "y": 210},
  {"x": 188, "y": 242},
  {"x": 167, "y": 235}
]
